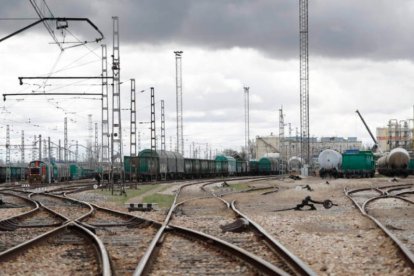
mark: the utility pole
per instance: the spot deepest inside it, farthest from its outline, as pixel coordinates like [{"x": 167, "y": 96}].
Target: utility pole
[
  {"x": 45, "y": 154},
  {"x": 133, "y": 126},
  {"x": 65, "y": 140},
  {"x": 48, "y": 149},
  {"x": 8, "y": 170},
  {"x": 34, "y": 157},
  {"x": 153, "y": 133},
  {"x": 40, "y": 147},
  {"x": 60, "y": 151},
  {"x": 77, "y": 151},
  {"x": 304, "y": 81},
  {"x": 116, "y": 139},
  {"x": 22, "y": 157},
  {"x": 89, "y": 141},
  {"x": 179, "y": 101},
  {"x": 105, "y": 107},
  {"x": 139, "y": 141},
  {"x": 281, "y": 136},
  {"x": 247, "y": 122},
  {"x": 162, "y": 126},
  {"x": 96, "y": 145}
]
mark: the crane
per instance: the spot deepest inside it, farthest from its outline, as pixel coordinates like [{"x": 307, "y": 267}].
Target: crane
[{"x": 376, "y": 146}]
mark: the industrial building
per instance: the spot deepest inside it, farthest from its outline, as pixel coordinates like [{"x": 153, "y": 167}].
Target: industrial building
[
  {"x": 266, "y": 145},
  {"x": 396, "y": 134}
]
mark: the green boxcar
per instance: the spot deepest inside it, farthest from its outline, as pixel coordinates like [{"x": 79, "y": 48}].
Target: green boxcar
[
  {"x": 358, "y": 164},
  {"x": 225, "y": 165},
  {"x": 148, "y": 165},
  {"x": 75, "y": 172},
  {"x": 131, "y": 166},
  {"x": 254, "y": 167},
  {"x": 268, "y": 165},
  {"x": 411, "y": 166}
]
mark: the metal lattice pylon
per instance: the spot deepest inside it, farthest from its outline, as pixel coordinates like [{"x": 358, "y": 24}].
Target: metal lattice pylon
[
  {"x": 8, "y": 172},
  {"x": 22, "y": 160},
  {"x": 65, "y": 140},
  {"x": 153, "y": 133},
  {"x": 179, "y": 101},
  {"x": 304, "y": 80},
  {"x": 162, "y": 126},
  {"x": 116, "y": 144},
  {"x": 247, "y": 122},
  {"x": 105, "y": 107},
  {"x": 133, "y": 126}
]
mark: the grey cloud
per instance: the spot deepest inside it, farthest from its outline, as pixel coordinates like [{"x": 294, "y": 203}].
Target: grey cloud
[{"x": 374, "y": 29}]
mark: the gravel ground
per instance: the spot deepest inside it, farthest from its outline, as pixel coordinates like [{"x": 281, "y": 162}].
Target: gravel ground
[
  {"x": 179, "y": 256},
  {"x": 332, "y": 241},
  {"x": 54, "y": 257}
]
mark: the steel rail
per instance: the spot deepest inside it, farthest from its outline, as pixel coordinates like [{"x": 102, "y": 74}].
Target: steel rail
[
  {"x": 69, "y": 199},
  {"x": 409, "y": 256},
  {"x": 11, "y": 222},
  {"x": 295, "y": 262},
  {"x": 102, "y": 254},
  {"x": 261, "y": 265}
]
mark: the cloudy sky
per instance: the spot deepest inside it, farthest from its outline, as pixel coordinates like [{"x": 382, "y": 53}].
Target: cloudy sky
[{"x": 361, "y": 57}]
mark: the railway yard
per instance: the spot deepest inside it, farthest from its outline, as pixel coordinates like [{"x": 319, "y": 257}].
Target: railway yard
[{"x": 273, "y": 225}]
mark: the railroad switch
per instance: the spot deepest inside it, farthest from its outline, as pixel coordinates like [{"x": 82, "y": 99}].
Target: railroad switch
[
  {"x": 309, "y": 202},
  {"x": 239, "y": 225}
]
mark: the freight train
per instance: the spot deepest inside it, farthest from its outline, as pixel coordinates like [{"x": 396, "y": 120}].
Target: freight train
[
  {"x": 41, "y": 172},
  {"x": 356, "y": 163},
  {"x": 17, "y": 173},
  {"x": 163, "y": 165}
]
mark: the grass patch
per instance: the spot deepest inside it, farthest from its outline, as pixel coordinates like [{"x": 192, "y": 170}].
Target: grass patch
[
  {"x": 240, "y": 186},
  {"x": 131, "y": 193},
  {"x": 164, "y": 201}
]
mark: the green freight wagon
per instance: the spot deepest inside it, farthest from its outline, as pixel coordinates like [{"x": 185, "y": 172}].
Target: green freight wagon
[
  {"x": 75, "y": 171},
  {"x": 411, "y": 166},
  {"x": 148, "y": 165},
  {"x": 269, "y": 165},
  {"x": 225, "y": 165},
  {"x": 358, "y": 164},
  {"x": 131, "y": 166}
]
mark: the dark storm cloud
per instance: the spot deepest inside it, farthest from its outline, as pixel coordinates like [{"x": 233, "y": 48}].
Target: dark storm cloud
[{"x": 375, "y": 29}]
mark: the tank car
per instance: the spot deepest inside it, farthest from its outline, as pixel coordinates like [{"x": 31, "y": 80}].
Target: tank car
[
  {"x": 294, "y": 164},
  {"x": 329, "y": 163},
  {"x": 394, "y": 163}
]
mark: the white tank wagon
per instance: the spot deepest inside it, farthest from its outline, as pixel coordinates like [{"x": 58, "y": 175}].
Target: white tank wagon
[
  {"x": 330, "y": 162},
  {"x": 295, "y": 163},
  {"x": 394, "y": 163}
]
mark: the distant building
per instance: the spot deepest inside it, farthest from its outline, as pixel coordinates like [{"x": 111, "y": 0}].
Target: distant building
[
  {"x": 270, "y": 144},
  {"x": 396, "y": 134}
]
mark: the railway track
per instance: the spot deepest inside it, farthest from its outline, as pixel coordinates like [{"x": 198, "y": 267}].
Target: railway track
[
  {"x": 243, "y": 260},
  {"x": 125, "y": 237},
  {"x": 12, "y": 204},
  {"x": 71, "y": 209},
  {"x": 391, "y": 208},
  {"x": 70, "y": 249}
]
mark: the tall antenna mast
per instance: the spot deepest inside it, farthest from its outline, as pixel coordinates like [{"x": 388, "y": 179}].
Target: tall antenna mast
[
  {"x": 153, "y": 138},
  {"x": 133, "y": 127},
  {"x": 105, "y": 107},
  {"x": 162, "y": 126},
  {"x": 116, "y": 147},
  {"x": 179, "y": 101},
  {"x": 304, "y": 81},
  {"x": 247, "y": 121}
]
